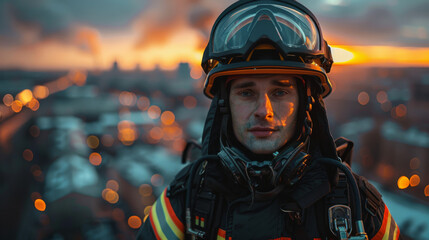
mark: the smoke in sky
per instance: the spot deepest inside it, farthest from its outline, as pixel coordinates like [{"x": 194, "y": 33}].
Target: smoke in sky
[
  {"x": 77, "y": 23},
  {"x": 163, "y": 18},
  {"x": 366, "y": 22},
  {"x": 404, "y": 23}
]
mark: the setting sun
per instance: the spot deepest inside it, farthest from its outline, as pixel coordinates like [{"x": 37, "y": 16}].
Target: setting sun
[
  {"x": 392, "y": 56},
  {"x": 341, "y": 55}
]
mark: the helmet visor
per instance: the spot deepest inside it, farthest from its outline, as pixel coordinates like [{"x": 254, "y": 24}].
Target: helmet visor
[{"x": 288, "y": 27}]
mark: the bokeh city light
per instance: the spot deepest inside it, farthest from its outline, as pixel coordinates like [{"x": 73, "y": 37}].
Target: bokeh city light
[
  {"x": 95, "y": 158},
  {"x": 8, "y": 99},
  {"x": 112, "y": 184},
  {"x": 134, "y": 222},
  {"x": 40, "y": 92},
  {"x": 154, "y": 112},
  {"x": 40, "y": 205},
  {"x": 403, "y": 182},
  {"x": 92, "y": 141},
  {"x": 363, "y": 98},
  {"x": 145, "y": 190},
  {"x": 414, "y": 180},
  {"x": 28, "y": 155}
]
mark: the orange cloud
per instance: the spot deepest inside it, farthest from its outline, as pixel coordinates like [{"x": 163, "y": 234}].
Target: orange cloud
[{"x": 88, "y": 39}]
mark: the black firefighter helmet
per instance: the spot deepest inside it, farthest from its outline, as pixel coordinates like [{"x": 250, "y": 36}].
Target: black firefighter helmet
[{"x": 266, "y": 37}]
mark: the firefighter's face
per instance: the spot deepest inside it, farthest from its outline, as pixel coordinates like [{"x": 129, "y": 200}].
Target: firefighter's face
[{"x": 264, "y": 110}]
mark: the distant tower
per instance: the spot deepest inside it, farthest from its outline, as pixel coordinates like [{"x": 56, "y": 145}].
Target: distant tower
[
  {"x": 115, "y": 67},
  {"x": 183, "y": 72},
  {"x": 138, "y": 68},
  {"x": 183, "y": 83},
  {"x": 113, "y": 76}
]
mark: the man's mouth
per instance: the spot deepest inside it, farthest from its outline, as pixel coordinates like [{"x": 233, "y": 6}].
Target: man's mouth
[{"x": 262, "y": 132}]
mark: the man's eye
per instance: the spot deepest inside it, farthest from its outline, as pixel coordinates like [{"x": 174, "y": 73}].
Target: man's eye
[
  {"x": 280, "y": 92},
  {"x": 245, "y": 93}
]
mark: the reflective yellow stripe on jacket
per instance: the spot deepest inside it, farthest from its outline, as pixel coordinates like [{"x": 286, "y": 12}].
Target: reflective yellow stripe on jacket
[{"x": 164, "y": 221}]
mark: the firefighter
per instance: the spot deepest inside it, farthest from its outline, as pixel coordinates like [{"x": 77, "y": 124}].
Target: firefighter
[{"x": 269, "y": 167}]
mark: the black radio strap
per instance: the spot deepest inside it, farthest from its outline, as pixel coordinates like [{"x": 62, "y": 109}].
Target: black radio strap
[
  {"x": 217, "y": 218},
  {"x": 339, "y": 195},
  {"x": 205, "y": 205},
  {"x": 203, "y": 211}
]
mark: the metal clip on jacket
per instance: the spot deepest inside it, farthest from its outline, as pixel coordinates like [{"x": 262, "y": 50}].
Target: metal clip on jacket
[
  {"x": 340, "y": 215},
  {"x": 340, "y": 221},
  {"x": 192, "y": 232}
]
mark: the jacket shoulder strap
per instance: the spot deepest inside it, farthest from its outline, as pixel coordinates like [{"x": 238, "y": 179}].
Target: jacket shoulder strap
[
  {"x": 371, "y": 198},
  {"x": 178, "y": 185},
  {"x": 344, "y": 149}
]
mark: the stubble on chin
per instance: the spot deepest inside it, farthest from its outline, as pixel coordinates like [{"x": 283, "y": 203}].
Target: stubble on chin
[
  {"x": 262, "y": 145},
  {"x": 257, "y": 145}
]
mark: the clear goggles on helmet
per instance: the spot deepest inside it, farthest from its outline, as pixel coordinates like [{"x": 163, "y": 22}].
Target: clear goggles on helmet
[
  {"x": 291, "y": 30},
  {"x": 284, "y": 25}
]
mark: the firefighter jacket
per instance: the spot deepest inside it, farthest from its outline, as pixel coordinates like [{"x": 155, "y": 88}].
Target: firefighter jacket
[{"x": 291, "y": 214}]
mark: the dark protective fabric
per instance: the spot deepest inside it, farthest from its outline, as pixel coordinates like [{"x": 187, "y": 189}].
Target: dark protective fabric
[
  {"x": 322, "y": 143},
  {"x": 265, "y": 219},
  {"x": 211, "y": 131}
]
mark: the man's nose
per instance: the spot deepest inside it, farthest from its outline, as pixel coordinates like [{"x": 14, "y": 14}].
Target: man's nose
[{"x": 264, "y": 108}]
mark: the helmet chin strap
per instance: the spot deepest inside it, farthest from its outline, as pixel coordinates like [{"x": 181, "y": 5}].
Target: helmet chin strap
[{"x": 287, "y": 166}]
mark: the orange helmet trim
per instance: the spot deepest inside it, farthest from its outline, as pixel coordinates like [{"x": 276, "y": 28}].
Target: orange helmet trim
[{"x": 267, "y": 70}]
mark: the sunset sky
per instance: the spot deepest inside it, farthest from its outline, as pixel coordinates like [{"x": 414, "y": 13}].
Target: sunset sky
[{"x": 81, "y": 34}]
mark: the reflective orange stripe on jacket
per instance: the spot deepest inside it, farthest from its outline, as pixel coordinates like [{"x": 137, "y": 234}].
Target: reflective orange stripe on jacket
[
  {"x": 221, "y": 234},
  {"x": 164, "y": 221},
  {"x": 388, "y": 230}
]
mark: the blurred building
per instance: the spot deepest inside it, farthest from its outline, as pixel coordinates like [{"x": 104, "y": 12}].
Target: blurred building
[{"x": 385, "y": 111}]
